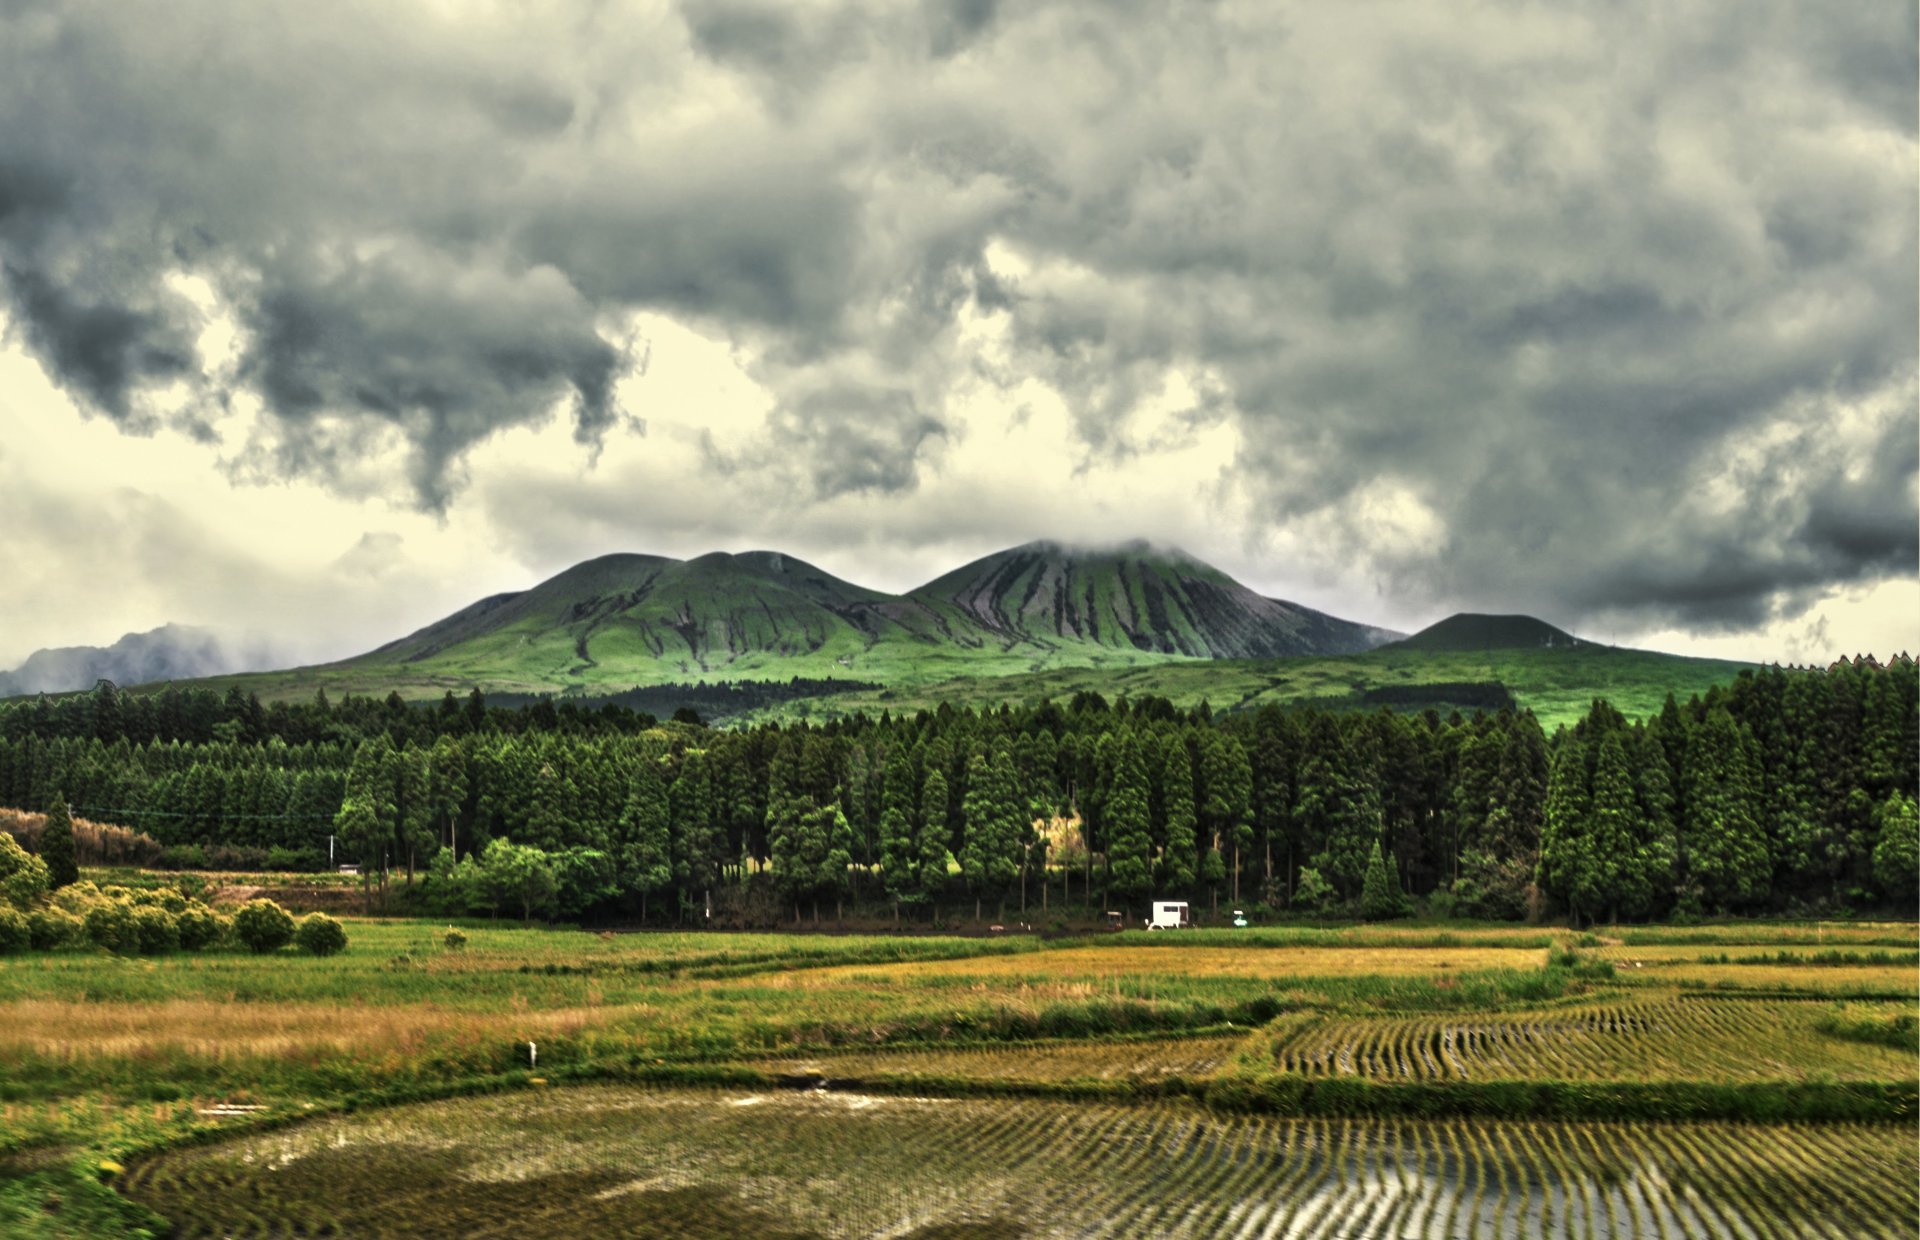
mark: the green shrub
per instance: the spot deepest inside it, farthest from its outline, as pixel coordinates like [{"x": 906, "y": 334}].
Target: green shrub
[
  {"x": 23, "y": 876},
  {"x": 15, "y": 935},
  {"x": 200, "y": 927},
  {"x": 54, "y": 927},
  {"x": 263, "y": 926},
  {"x": 303, "y": 860},
  {"x": 110, "y": 924},
  {"x": 454, "y": 939},
  {"x": 157, "y": 931},
  {"x": 320, "y": 935},
  {"x": 184, "y": 857}
]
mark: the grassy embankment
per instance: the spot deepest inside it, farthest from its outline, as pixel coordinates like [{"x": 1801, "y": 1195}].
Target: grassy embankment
[{"x": 102, "y": 1056}]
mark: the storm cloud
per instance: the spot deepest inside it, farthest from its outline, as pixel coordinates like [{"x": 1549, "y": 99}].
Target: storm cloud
[{"x": 1584, "y": 310}]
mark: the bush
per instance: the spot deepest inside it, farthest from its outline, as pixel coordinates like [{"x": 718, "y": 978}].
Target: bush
[
  {"x": 454, "y": 939},
  {"x": 110, "y": 924},
  {"x": 53, "y": 927},
  {"x": 320, "y": 935},
  {"x": 184, "y": 857},
  {"x": 156, "y": 930},
  {"x": 301, "y": 860},
  {"x": 15, "y": 934},
  {"x": 23, "y": 877},
  {"x": 263, "y": 926},
  {"x": 200, "y": 926}
]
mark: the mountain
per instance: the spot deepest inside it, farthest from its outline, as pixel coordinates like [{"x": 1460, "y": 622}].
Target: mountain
[
  {"x": 170, "y": 652},
  {"x": 630, "y": 620},
  {"x": 1468, "y": 631},
  {"x": 1134, "y": 597}
]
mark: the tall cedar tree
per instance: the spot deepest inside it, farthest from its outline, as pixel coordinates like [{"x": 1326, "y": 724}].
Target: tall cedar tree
[
  {"x": 899, "y": 862},
  {"x": 699, "y": 844},
  {"x": 1127, "y": 827},
  {"x": 56, "y": 845},
  {"x": 1565, "y": 860},
  {"x": 1176, "y": 862},
  {"x": 1726, "y": 848},
  {"x": 644, "y": 848},
  {"x": 931, "y": 869},
  {"x": 1226, "y": 815}
]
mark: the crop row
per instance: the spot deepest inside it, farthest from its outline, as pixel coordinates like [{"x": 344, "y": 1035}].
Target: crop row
[
  {"x": 710, "y": 1163},
  {"x": 1677, "y": 1038}
]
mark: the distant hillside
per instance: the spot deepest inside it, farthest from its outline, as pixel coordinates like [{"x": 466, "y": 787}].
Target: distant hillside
[
  {"x": 1468, "y": 631},
  {"x": 170, "y": 652},
  {"x": 621, "y": 621}
]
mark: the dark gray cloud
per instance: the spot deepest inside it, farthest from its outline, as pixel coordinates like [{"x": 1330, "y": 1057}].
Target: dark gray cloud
[{"x": 1579, "y": 309}]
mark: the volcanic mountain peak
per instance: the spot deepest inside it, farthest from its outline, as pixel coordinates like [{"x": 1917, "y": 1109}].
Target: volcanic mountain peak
[{"x": 1475, "y": 631}]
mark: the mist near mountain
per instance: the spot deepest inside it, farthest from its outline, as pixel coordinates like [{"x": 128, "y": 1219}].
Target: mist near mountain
[{"x": 170, "y": 652}]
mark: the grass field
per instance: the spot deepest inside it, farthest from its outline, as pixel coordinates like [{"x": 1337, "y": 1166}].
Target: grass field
[{"x": 1345, "y": 1077}]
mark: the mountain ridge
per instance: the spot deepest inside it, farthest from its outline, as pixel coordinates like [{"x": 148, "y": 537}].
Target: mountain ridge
[{"x": 630, "y": 619}]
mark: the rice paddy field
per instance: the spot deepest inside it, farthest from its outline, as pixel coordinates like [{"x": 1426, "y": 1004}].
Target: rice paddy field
[{"x": 1405, "y": 1080}]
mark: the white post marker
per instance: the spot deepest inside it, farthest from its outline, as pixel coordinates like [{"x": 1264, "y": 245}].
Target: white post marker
[{"x": 533, "y": 1055}]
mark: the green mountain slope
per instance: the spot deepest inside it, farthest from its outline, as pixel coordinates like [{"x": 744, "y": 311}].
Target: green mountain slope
[{"x": 626, "y": 620}]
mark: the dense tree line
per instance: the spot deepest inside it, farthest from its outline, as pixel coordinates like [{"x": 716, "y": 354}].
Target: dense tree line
[{"x": 1786, "y": 789}]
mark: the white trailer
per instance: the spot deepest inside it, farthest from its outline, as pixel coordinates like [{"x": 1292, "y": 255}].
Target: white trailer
[{"x": 1169, "y": 915}]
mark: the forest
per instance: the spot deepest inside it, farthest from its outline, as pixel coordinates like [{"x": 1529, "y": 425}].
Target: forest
[{"x": 1787, "y": 791}]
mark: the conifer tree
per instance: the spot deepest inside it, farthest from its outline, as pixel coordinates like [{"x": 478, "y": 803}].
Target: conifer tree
[
  {"x": 56, "y": 845},
  {"x": 1126, "y": 814},
  {"x": 699, "y": 844},
  {"x": 1226, "y": 816},
  {"x": 932, "y": 866},
  {"x": 1726, "y": 848},
  {"x": 899, "y": 861},
  {"x": 1176, "y": 862},
  {"x": 644, "y": 852},
  {"x": 1565, "y": 847},
  {"x": 1381, "y": 897}
]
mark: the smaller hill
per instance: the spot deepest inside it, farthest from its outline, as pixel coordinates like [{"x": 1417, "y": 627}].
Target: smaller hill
[
  {"x": 1469, "y": 631},
  {"x": 170, "y": 652}
]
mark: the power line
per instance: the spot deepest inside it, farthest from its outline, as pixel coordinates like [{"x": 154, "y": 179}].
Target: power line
[{"x": 161, "y": 813}]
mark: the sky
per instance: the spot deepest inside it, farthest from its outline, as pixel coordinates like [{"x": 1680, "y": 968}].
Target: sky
[{"x": 318, "y": 322}]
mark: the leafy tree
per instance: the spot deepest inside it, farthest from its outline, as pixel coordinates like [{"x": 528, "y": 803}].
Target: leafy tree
[
  {"x": 56, "y": 846},
  {"x": 583, "y": 879},
  {"x": 1313, "y": 891},
  {"x": 518, "y": 874},
  {"x": 263, "y": 926},
  {"x": 1896, "y": 851}
]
